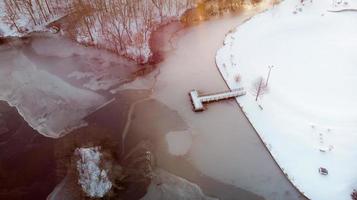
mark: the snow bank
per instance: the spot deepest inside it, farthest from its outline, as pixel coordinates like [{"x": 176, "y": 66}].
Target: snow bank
[
  {"x": 168, "y": 186},
  {"x": 179, "y": 142},
  {"x": 93, "y": 180},
  {"x": 308, "y": 117},
  {"x": 49, "y": 104}
]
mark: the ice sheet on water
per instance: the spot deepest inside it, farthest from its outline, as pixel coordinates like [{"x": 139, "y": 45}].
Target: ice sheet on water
[
  {"x": 168, "y": 186},
  {"x": 49, "y": 104}
]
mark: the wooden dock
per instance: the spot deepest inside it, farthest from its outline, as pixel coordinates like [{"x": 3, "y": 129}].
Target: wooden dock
[{"x": 198, "y": 100}]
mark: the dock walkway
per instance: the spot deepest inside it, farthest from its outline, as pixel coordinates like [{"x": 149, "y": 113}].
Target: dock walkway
[{"x": 198, "y": 101}]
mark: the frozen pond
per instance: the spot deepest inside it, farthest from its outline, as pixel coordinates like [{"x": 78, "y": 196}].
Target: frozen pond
[
  {"x": 54, "y": 83},
  {"x": 221, "y": 151},
  {"x": 224, "y": 145}
]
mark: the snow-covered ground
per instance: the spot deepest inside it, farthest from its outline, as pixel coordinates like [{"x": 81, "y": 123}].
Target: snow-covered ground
[
  {"x": 308, "y": 116},
  {"x": 93, "y": 180},
  {"x": 168, "y": 186},
  {"x": 4, "y": 28},
  {"x": 23, "y": 20}
]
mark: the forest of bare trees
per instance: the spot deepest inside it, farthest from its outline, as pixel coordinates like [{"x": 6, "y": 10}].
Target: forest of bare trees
[
  {"x": 121, "y": 26},
  {"x": 22, "y": 13},
  {"x": 126, "y": 25}
]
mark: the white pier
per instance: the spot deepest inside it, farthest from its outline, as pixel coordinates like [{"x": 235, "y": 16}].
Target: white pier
[{"x": 198, "y": 101}]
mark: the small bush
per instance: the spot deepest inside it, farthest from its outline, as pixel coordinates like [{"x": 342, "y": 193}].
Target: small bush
[{"x": 237, "y": 78}]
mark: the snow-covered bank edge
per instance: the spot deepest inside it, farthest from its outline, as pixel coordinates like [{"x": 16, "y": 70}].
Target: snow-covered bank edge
[
  {"x": 222, "y": 71},
  {"x": 314, "y": 130},
  {"x": 273, "y": 156},
  {"x": 265, "y": 144}
]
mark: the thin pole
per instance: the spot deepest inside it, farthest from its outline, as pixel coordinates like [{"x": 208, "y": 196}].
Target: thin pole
[
  {"x": 259, "y": 89},
  {"x": 270, "y": 67}
]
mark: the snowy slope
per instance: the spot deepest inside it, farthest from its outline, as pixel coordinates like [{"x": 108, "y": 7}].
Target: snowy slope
[
  {"x": 308, "y": 117},
  {"x": 23, "y": 20},
  {"x": 122, "y": 27},
  {"x": 4, "y": 28}
]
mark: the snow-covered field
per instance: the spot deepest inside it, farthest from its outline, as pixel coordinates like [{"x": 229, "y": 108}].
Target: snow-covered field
[{"x": 308, "y": 116}]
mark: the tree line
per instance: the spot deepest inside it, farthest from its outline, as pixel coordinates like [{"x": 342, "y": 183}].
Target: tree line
[
  {"x": 20, "y": 13},
  {"x": 122, "y": 26}
]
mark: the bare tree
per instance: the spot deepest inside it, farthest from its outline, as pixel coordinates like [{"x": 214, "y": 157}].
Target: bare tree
[
  {"x": 30, "y": 11},
  {"x": 354, "y": 195},
  {"x": 10, "y": 16},
  {"x": 159, "y": 4},
  {"x": 259, "y": 88},
  {"x": 42, "y": 11},
  {"x": 48, "y": 7}
]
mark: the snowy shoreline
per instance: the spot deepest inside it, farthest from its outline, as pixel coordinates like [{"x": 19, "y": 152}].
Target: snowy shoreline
[
  {"x": 221, "y": 73},
  {"x": 289, "y": 135},
  {"x": 261, "y": 139}
]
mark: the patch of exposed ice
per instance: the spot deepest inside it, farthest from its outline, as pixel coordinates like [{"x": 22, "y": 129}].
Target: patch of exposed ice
[
  {"x": 179, "y": 142},
  {"x": 80, "y": 75},
  {"x": 48, "y": 103},
  {"x": 146, "y": 82},
  {"x": 89, "y": 67},
  {"x": 168, "y": 186}
]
